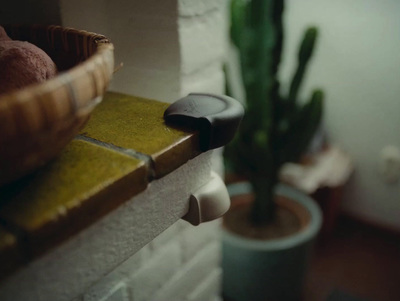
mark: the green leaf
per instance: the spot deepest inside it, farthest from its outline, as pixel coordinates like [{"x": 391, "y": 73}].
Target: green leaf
[
  {"x": 303, "y": 128},
  {"x": 305, "y": 53}
]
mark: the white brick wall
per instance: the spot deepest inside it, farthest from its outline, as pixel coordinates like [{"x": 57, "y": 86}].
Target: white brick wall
[
  {"x": 117, "y": 293},
  {"x": 190, "y": 275},
  {"x": 194, "y": 239},
  {"x": 169, "y": 48},
  {"x": 209, "y": 79},
  {"x": 190, "y": 8},
  {"x": 146, "y": 42},
  {"x": 168, "y": 268},
  {"x": 209, "y": 288},
  {"x": 201, "y": 43},
  {"x": 152, "y": 276}
]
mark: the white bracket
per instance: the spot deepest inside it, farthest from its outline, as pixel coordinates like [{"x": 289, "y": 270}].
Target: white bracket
[{"x": 209, "y": 202}]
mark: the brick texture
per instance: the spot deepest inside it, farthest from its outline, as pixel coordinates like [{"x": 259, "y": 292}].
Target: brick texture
[
  {"x": 190, "y": 275},
  {"x": 153, "y": 275},
  {"x": 209, "y": 79},
  {"x": 190, "y": 8},
  {"x": 117, "y": 293},
  {"x": 182, "y": 263},
  {"x": 209, "y": 289},
  {"x": 201, "y": 42},
  {"x": 193, "y": 239}
]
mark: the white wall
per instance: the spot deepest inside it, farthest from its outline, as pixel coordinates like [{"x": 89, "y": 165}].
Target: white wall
[
  {"x": 146, "y": 42},
  {"x": 357, "y": 63},
  {"x": 168, "y": 48}
]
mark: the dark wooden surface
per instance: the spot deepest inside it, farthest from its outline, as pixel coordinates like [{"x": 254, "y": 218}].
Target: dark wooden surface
[{"x": 358, "y": 259}]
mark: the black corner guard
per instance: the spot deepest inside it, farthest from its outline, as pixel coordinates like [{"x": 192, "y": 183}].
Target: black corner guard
[{"x": 217, "y": 117}]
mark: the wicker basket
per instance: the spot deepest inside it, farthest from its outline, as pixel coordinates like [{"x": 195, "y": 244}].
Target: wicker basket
[{"x": 36, "y": 122}]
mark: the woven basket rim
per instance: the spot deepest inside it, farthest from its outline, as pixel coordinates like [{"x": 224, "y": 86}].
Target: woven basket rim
[
  {"x": 71, "y": 93},
  {"x": 104, "y": 47},
  {"x": 51, "y": 84}
]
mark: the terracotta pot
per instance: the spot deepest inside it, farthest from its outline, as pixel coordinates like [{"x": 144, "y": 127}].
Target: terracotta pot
[{"x": 270, "y": 269}]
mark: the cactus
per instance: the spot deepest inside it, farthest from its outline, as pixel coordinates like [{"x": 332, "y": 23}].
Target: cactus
[{"x": 276, "y": 129}]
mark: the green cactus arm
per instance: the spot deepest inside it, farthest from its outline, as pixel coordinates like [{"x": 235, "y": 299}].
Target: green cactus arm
[
  {"x": 238, "y": 21},
  {"x": 277, "y": 12},
  {"x": 242, "y": 36},
  {"x": 259, "y": 10},
  {"x": 305, "y": 53},
  {"x": 312, "y": 112},
  {"x": 302, "y": 130},
  {"x": 276, "y": 54},
  {"x": 307, "y": 46}
]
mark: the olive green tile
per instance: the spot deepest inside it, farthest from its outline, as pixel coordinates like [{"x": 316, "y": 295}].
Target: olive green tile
[
  {"x": 10, "y": 255},
  {"x": 137, "y": 123},
  {"x": 83, "y": 183}
]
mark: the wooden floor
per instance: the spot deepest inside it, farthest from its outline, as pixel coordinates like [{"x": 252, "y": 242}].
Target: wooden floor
[{"x": 357, "y": 260}]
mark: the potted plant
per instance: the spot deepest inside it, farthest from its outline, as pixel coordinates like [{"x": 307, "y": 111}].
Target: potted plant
[{"x": 262, "y": 260}]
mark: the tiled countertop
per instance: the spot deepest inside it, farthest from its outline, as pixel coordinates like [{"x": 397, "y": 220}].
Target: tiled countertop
[{"x": 124, "y": 146}]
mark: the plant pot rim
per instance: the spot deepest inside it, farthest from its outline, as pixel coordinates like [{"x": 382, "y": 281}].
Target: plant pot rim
[{"x": 304, "y": 235}]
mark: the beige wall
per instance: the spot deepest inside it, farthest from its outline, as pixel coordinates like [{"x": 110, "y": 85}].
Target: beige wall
[{"x": 358, "y": 64}]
